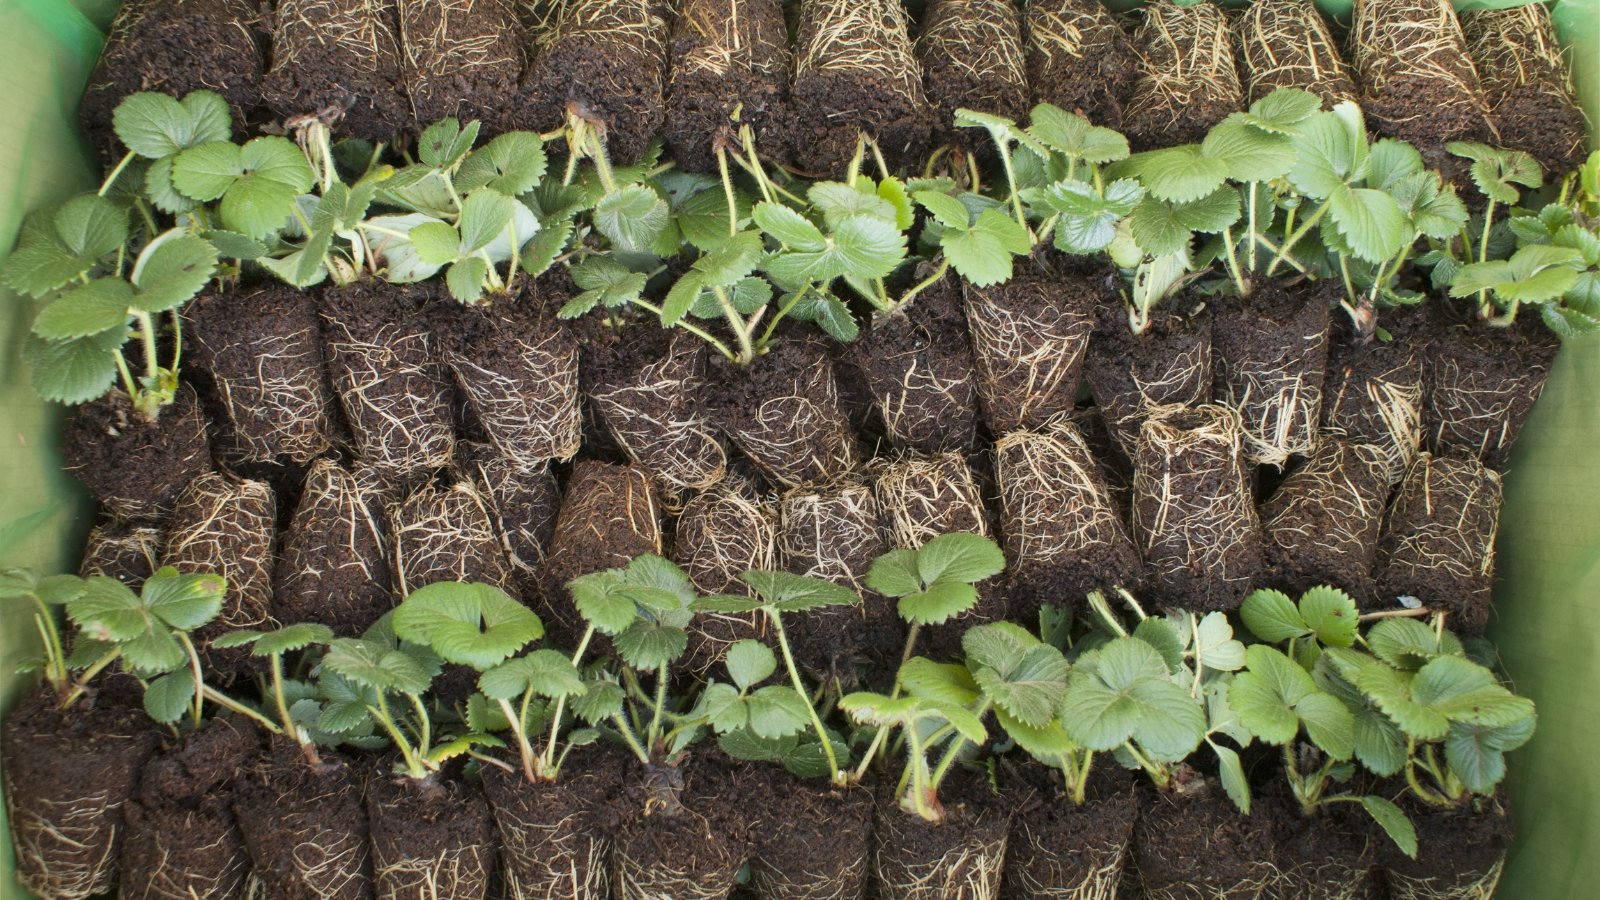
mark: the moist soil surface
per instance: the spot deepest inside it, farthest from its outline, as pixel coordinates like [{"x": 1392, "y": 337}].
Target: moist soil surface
[
  {"x": 182, "y": 840},
  {"x": 1328, "y": 854},
  {"x": 964, "y": 855},
  {"x": 386, "y": 371},
  {"x": 134, "y": 468},
  {"x": 174, "y": 47},
  {"x": 1482, "y": 382},
  {"x": 1372, "y": 393},
  {"x": 72, "y": 770},
  {"x": 461, "y": 59},
  {"x": 783, "y": 411},
  {"x": 338, "y": 58},
  {"x": 727, "y": 55},
  {"x": 1170, "y": 362},
  {"x": 684, "y": 830},
  {"x": 811, "y": 839},
  {"x": 1269, "y": 357},
  {"x": 1455, "y": 848},
  {"x": 334, "y": 563},
  {"x": 304, "y": 826},
  {"x": 430, "y": 838},
  {"x": 260, "y": 349},
  {"x": 1029, "y": 339},
  {"x": 1078, "y": 58},
  {"x": 1056, "y": 847},
  {"x": 1437, "y": 543},
  {"x": 918, "y": 365},
  {"x": 1201, "y": 846},
  {"x": 555, "y": 836}
]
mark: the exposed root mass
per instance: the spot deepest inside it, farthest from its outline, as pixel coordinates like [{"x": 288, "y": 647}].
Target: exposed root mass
[
  {"x": 135, "y": 469},
  {"x": 1528, "y": 84},
  {"x": 917, "y": 363},
  {"x": 1270, "y": 353},
  {"x": 334, "y": 566},
  {"x": 971, "y": 57},
  {"x": 128, "y": 553},
  {"x": 608, "y": 516},
  {"x": 730, "y": 66},
  {"x": 522, "y": 506},
  {"x": 460, "y": 58},
  {"x": 1373, "y": 396},
  {"x": 1079, "y": 59},
  {"x": 721, "y": 534},
  {"x": 784, "y": 412},
  {"x": 1438, "y": 541},
  {"x": 1129, "y": 374},
  {"x": 1187, "y": 81},
  {"x": 1322, "y": 523},
  {"x": 340, "y": 60},
  {"x": 1287, "y": 44},
  {"x": 960, "y": 859},
  {"x": 1029, "y": 337},
  {"x": 445, "y": 534}
]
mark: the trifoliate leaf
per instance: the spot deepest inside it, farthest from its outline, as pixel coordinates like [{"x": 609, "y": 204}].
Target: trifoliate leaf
[
  {"x": 445, "y": 141},
  {"x": 1126, "y": 694},
  {"x": 1331, "y": 614},
  {"x": 547, "y": 673},
  {"x": 477, "y": 625},
  {"x": 171, "y": 270},
  {"x": 787, "y": 592},
  {"x": 1031, "y": 690},
  {"x": 959, "y": 557},
  {"x": 1161, "y": 228},
  {"x": 750, "y": 663},
  {"x": 86, "y": 310},
  {"x": 1370, "y": 221},
  {"x": 723, "y": 708},
  {"x": 1266, "y": 694},
  {"x": 1088, "y": 220},
  {"x": 510, "y": 164},
  {"x": 484, "y": 215},
  {"x": 155, "y": 125},
  {"x": 1280, "y": 111},
  {"x": 839, "y": 202},
  {"x": 863, "y": 246},
  {"x": 605, "y": 282},
  {"x": 1248, "y": 153},
  {"x": 1331, "y": 152},
  {"x": 945, "y": 209},
  {"x": 650, "y": 645},
  {"x": 372, "y": 665},
  {"x": 632, "y": 217},
  {"x": 1536, "y": 273},
  {"x": 982, "y": 254},
  {"x": 790, "y": 228},
  {"x": 167, "y": 698},
  {"x": 776, "y": 712},
  {"x": 939, "y": 682},
  {"x": 1072, "y": 136},
  {"x": 74, "y": 371},
  {"x": 730, "y": 261}
]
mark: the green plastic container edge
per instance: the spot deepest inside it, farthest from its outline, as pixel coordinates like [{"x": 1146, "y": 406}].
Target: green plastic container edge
[{"x": 1548, "y": 594}]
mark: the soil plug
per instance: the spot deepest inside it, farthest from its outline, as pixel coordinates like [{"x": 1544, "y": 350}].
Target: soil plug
[
  {"x": 784, "y": 413},
  {"x": 1187, "y": 81},
  {"x": 460, "y": 58},
  {"x": 262, "y": 351},
  {"x": 1079, "y": 59},
  {"x": 228, "y": 526},
  {"x": 721, "y": 534},
  {"x": 334, "y": 565},
  {"x": 445, "y": 534},
  {"x": 1322, "y": 522},
  {"x": 1029, "y": 338},
  {"x": 1130, "y": 373},
  {"x": 1194, "y": 520},
  {"x": 1062, "y": 532},
  {"x": 1528, "y": 84},
  {"x": 917, "y": 362},
  {"x": 127, "y": 553},
  {"x": 1287, "y": 44},
  {"x": 1437, "y": 543},
  {"x": 338, "y": 61},
  {"x": 855, "y": 73},
  {"x": 608, "y": 516},
  {"x": 1269, "y": 358},
  {"x": 730, "y": 67},
  {"x": 1373, "y": 395},
  {"x": 522, "y": 506},
  {"x": 970, "y": 52}
]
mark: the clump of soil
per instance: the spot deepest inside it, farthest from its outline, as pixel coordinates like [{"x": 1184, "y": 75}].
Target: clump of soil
[
  {"x": 1373, "y": 394},
  {"x": 684, "y": 832},
  {"x": 922, "y": 498},
  {"x": 1287, "y": 44},
  {"x": 605, "y": 61},
  {"x": 460, "y": 58},
  {"x": 522, "y": 505},
  {"x": 1193, "y": 842},
  {"x": 445, "y": 534},
  {"x": 1528, "y": 84},
  {"x": 334, "y": 566},
  {"x": 338, "y": 60},
  {"x": 261, "y": 350},
  {"x": 1438, "y": 541},
  {"x": 1417, "y": 82},
  {"x": 811, "y": 841},
  {"x": 555, "y": 836},
  {"x": 182, "y": 840},
  {"x": 1460, "y": 852},
  {"x": 1187, "y": 81},
  {"x": 134, "y": 468},
  {"x": 119, "y": 550},
  {"x": 1029, "y": 337},
  {"x": 721, "y": 534},
  {"x": 1114, "y": 464},
  {"x": 174, "y": 47},
  {"x": 1481, "y": 383},
  {"x": 304, "y": 826},
  {"x": 227, "y": 526},
  {"x": 392, "y": 386},
  {"x": 1129, "y": 374},
  {"x": 1058, "y": 849},
  {"x": 832, "y": 532},
  {"x": 1270, "y": 355},
  {"x": 647, "y": 384},
  {"x": 917, "y": 362},
  {"x": 517, "y": 369},
  {"x": 1328, "y": 854},
  {"x": 1193, "y": 517},
  {"x": 1322, "y": 522},
  {"x": 67, "y": 774},
  {"x": 1062, "y": 533},
  {"x": 783, "y": 411},
  {"x": 963, "y": 856},
  {"x": 607, "y": 517},
  {"x": 431, "y": 837},
  {"x": 855, "y": 73},
  {"x": 971, "y": 57},
  {"x": 1079, "y": 59},
  {"x": 730, "y": 67}
]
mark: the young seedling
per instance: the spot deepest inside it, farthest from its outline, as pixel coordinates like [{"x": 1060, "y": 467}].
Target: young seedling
[
  {"x": 1280, "y": 703},
  {"x": 926, "y": 718}
]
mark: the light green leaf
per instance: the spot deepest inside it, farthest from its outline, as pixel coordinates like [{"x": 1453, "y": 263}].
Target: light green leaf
[
  {"x": 1215, "y": 647},
  {"x": 183, "y": 601},
  {"x": 632, "y": 217},
  {"x": 436, "y": 243},
  {"x": 510, "y": 164},
  {"x": 600, "y": 600},
  {"x": 731, "y": 261},
  {"x": 750, "y": 663},
  {"x": 939, "y": 682},
  {"x": 1031, "y": 690},
  {"x": 379, "y": 668},
  {"x": 1045, "y": 743},
  {"x": 465, "y": 279},
  {"x": 776, "y": 712},
  {"x": 959, "y": 556},
  {"x": 1071, "y": 135},
  {"x": 1161, "y": 228},
  {"x": 155, "y": 125},
  {"x": 1233, "y": 780},
  {"x": 789, "y": 227},
  {"x": 445, "y": 141},
  {"x": 1247, "y": 153},
  {"x": 787, "y": 592},
  {"x": 1331, "y": 152},
  {"x": 982, "y": 255},
  {"x": 1394, "y": 822},
  {"x": 894, "y": 574},
  {"x": 840, "y": 202},
  {"x": 171, "y": 271},
  {"x": 547, "y": 673},
  {"x": 1280, "y": 111},
  {"x": 1175, "y": 174},
  {"x": 649, "y": 645},
  {"x": 1370, "y": 221},
  {"x": 945, "y": 209},
  {"x": 167, "y": 698},
  {"x": 1265, "y": 695},
  {"x": 86, "y": 310},
  {"x": 91, "y": 226},
  {"x": 484, "y": 215},
  {"x": 74, "y": 371},
  {"x": 600, "y": 700},
  {"x": 477, "y": 625},
  {"x": 725, "y": 710},
  {"x": 938, "y": 603}
]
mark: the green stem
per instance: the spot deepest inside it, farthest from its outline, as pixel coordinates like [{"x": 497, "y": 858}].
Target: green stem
[
  {"x": 917, "y": 766},
  {"x": 1485, "y": 307},
  {"x": 1252, "y": 257},
  {"x": 414, "y": 765},
  {"x": 82, "y": 686},
  {"x": 727, "y": 190},
  {"x": 690, "y": 327},
  {"x": 548, "y": 756},
  {"x": 115, "y": 173},
  {"x": 924, "y": 284},
  {"x": 55, "y": 657},
  {"x": 628, "y": 738},
  {"x": 741, "y": 328},
  {"x": 951, "y": 752},
  {"x": 530, "y": 763},
  {"x": 1011, "y": 182},
  {"x": 1295, "y": 237},
  {"x": 277, "y": 693},
  {"x": 653, "y": 734},
  {"x": 753, "y": 166},
  {"x": 1158, "y": 774},
  {"x": 602, "y": 163},
  {"x": 776, "y": 618},
  {"x": 223, "y": 700},
  {"x": 782, "y": 312},
  {"x": 1234, "y": 272}
]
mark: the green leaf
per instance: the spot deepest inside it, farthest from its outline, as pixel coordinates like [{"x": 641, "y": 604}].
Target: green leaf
[
  {"x": 1247, "y": 153},
  {"x": 1394, "y": 822},
  {"x": 960, "y": 557},
  {"x": 547, "y": 673},
  {"x": 374, "y": 666},
  {"x": 155, "y": 125},
  {"x": 167, "y": 698},
  {"x": 77, "y": 370},
  {"x": 1175, "y": 174},
  {"x": 445, "y": 141},
  {"x": 1265, "y": 694},
  {"x": 1281, "y": 111},
  {"x": 703, "y": 218},
  {"x": 1031, "y": 690},
  {"x": 485, "y": 214},
  {"x": 171, "y": 271},
  {"x": 894, "y": 574},
  {"x": 632, "y": 217},
  {"x": 863, "y": 246},
  {"x": 436, "y": 243},
  {"x": 1391, "y": 162},
  {"x": 234, "y": 245},
  {"x": 839, "y": 202},
  {"x": 477, "y": 625},
  {"x": 89, "y": 309},
  {"x": 724, "y": 708},
  {"x": 91, "y": 226},
  {"x": 649, "y": 645},
  {"x": 1464, "y": 691},
  {"x": 1071, "y": 135},
  {"x": 945, "y": 209},
  {"x": 600, "y": 600},
  {"x": 1476, "y": 753},
  {"x": 1046, "y": 743},
  {"x": 183, "y": 601},
  {"x": 1162, "y": 634},
  {"x": 1123, "y": 694},
  {"x": 1088, "y": 221},
  {"x": 1233, "y": 780},
  {"x": 787, "y": 592},
  {"x": 162, "y": 192},
  {"x": 938, "y": 603},
  {"x": 291, "y": 638},
  {"x": 1331, "y": 152},
  {"x": 789, "y": 227},
  {"x": 510, "y": 164},
  {"x": 1161, "y": 228},
  {"x": 601, "y": 700},
  {"x": 1328, "y": 723},
  {"x": 750, "y": 663},
  {"x": 52, "y": 251},
  {"x": 1214, "y": 644},
  {"x": 1409, "y": 644},
  {"x": 1331, "y": 614},
  {"x": 776, "y": 712},
  {"x": 830, "y": 314},
  {"x": 982, "y": 255},
  {"x": 731, "y": 261},
  {"x": 938, "y": 682},
  {"x": 539, "y": 254},
  {"x": 466, "y": 278},
  {"x": 1370, "y": 221}
]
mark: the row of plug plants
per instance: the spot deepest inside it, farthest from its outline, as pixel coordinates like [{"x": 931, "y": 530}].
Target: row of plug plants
[{"x": 1330, "y": 747}]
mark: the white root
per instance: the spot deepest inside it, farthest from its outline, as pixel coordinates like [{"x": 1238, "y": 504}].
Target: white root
[
  {"x": 869, "y": 37},
  {"x": 1028, "y": 351},
  {"x": 1463, "y": 886},
  {"x": 186, "y": 871},
  {"x": 337, "y": 520},
  {"x": 1287, "y": 43},
  {"x": 1098, "y": 870},
  {"x": 924, "y": 498},
  {"x": 1334, "y": 505},
  {"x": 1437, "y": 542},
  {"x": 227, "y": 526},
  {"x": 1378, "y": 402},
  {"x": 799, "y": 437},
  {"x": 971, "y": 54},
  {"x": 969, "y": 868},
  {"x": 1397, "y": 43},
  {"x": 445, "y": 63},
  {"x": 49, "y": 837},
  {"x": 1186, "y": 68},
  {"x": 680, "y": 448},
  {"x": 529, "y": 407},
  {"x": 721, "y": 534},
  {"x": 451, "y": 873},
  {"x": 126, "y": 552},
  {"x": 445, "y": 535}
]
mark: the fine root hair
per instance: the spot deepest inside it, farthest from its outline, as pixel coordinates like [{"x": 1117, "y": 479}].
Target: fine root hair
[
  {"x": 1271, "y": 371},
  {"x": 126, "y": 552},
  {"x": 1437, "y": 542},
  {"x": 65, "y": 847},
  {"x": 630, "y": 27},
  {"x": 529, "y": 407},
  {"x": 1528, "y": 83},
  {"x": 922, "y": 498},
  {"x": 1471, "y": 408},
  {"x": 818, "y": 879},
  {"x": 1027, "y": 350},
  {"x": 721, "y": 38},
  {"x": 830, "y": 531},
  {"x": 1322, "y": 523},
  {"x": 799, "y": 434},
  {"x": 1078, "y": 58},
  {"x": 186, "y": 868},
  {"x": 1377, "y": 400},
  {"x": 459, "y": 56},
  {"x": 1041, "y": 870},
  {"x": 1187, "y": 80},
  {"x": 656, "y": 416},
  {"x": 608, "y": 516},
  {"x": 452, "y": 872},
  {"x": 548, "y": 846},
  {"x": 445, "y": 534},
  {"x": 1263, "y": 878},
  {"x": 1055, "y": 508},
  {"x": 1463, "y": 886},
  {"x": 971, "y": 56},
  {"x": 1287, "y": 44},
  {"x": 357, "y": 33},
  {"x": 721, "y": 534},
  {"x": 1194, "y": 519},
  {"x": 970, "y": 866},
  {"x": 1411, "y": 58},
  {"x": 522, "y": 506},
  {"x": 227, "y": 526},
  {"x": 870, "y": 37}
]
